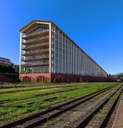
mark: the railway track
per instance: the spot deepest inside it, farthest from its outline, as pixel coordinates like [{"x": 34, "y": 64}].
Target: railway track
[
  {"x": 99, "y": 116},
  {"x": 46, "y": 115},
  {"x": 38, "y": 96}
]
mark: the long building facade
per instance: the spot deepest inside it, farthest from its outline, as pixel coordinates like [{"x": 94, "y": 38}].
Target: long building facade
[{"x": 47, "y": 54}]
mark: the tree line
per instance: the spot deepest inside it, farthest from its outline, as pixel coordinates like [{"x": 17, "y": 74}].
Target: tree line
[
  {"x": 119, "y": 76},
  {"x": 9, "y": 69}
]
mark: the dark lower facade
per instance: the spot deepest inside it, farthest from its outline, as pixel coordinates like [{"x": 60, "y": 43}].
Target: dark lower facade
[{"x": 56, "y": 78}]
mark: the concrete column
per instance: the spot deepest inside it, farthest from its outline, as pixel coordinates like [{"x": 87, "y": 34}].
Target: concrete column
[
  {"x": 79, "y": 61},
  {"x": 58, "y": 54},
  {"x": 50, "y": 48},
  {"x": 20, "y": 53},
  {"x": 62, "y": 54},
  {"x": 53, "y": 50},
  {"x": 65, "y": 55},
  {"x": 76, "y": 60},
  {"x": 70, "y": 57}
]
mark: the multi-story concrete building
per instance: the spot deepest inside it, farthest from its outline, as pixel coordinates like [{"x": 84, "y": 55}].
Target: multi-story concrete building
[
  {"x": 5, "y": 61},
  {"x": 48, "y": 54}
]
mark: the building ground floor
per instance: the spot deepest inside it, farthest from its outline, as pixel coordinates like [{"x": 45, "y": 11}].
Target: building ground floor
[{"x": 52, "y": 77}]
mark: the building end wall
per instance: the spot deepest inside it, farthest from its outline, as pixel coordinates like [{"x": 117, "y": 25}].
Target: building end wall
[{"x": 35, "y": 77}]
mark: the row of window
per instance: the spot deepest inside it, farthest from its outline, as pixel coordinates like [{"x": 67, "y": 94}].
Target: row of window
[
  {"x": 35, "y": 39},
  {"x": 39, "y": 29},
  {"x": 39, "y": 50},
  {"x": 39, "y": 69},
  {"x": 39, "y": 46},
  {"x": 75, "y": 70},
  {"x": 37, "y": 62},
  {"x": 36, "y": 57}
]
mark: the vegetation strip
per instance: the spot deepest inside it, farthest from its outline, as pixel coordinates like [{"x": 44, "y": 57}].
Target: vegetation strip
[
  {"x": 49, "y": 110},
  {"x": 36, "y": 84},
  {"x": 37, "y": 96}
]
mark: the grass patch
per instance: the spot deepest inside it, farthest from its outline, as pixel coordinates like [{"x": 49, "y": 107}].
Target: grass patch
[{"x": 100, "y": 115}]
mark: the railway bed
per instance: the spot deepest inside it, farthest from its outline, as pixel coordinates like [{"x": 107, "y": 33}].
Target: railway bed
[
  {"x": 52, "y": 112},
  {"x": 100, "y": 115},
  {"x": 80, "y": 116}
]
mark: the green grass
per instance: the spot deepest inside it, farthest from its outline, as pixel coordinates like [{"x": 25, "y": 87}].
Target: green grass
[
  {"x": 17, "y": 102},
  {"x": 23, "y": 84},
  {"x": 100, "y": 115}
]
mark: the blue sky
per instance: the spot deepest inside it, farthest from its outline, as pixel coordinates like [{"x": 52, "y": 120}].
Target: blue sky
[{"x": 95, "y": 25}]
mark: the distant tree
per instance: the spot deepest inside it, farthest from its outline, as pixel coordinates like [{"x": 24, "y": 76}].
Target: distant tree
[
  {"x": 6, "y": 69},
  {"x": 110, "y": 75},
  {"x": 17, "y": 69},
  {"x": 119, "y": 75}
]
